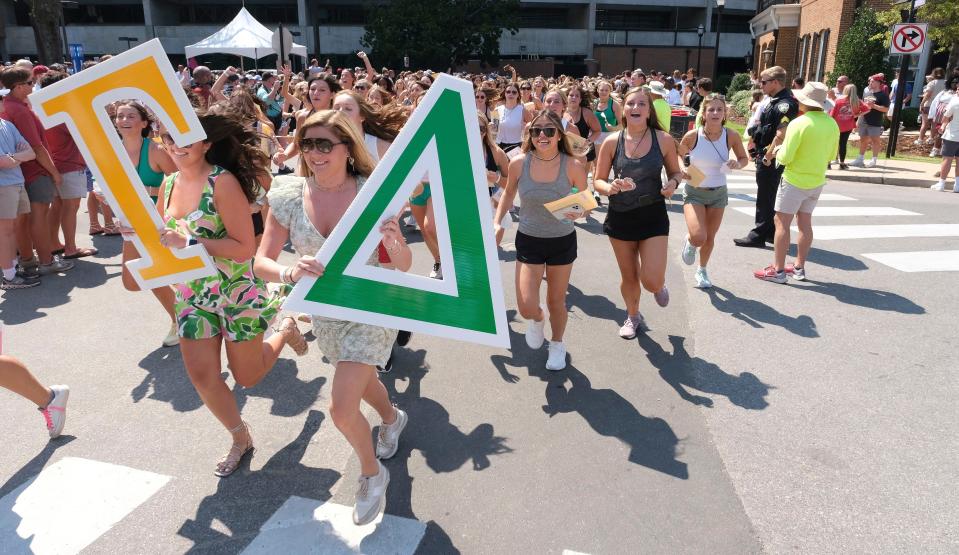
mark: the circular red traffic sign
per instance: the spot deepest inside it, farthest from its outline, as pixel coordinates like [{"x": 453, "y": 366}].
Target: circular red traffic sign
[{"x": 908, "y": 39}]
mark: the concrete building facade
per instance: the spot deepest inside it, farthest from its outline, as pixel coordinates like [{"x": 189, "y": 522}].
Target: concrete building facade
[{"x": 573, "y": 35}]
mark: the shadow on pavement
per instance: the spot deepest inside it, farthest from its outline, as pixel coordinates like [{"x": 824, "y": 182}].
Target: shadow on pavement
[
  {"x": 441, "y": 443},
  {"x": 681, "y": 371},
  {"x": 167, "y": 380},
  {"x": 832, "y": 259},
  {"x": 35, "y": 465},
  {"x": 244, "y": 501},
  {"x": 26, "y": 305},
  {"x": 756, "y": 313},
  {"x": 866, "y": 298},
  {"x": 596, "y": 306},
  {"x": 652, "y": 442}
]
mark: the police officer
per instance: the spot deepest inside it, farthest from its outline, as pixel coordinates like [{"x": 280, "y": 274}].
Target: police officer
[{"x": 767, "y": 134}]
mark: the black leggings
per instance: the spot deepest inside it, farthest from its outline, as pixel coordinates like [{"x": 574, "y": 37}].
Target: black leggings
[{"x": 843, "y": 139}]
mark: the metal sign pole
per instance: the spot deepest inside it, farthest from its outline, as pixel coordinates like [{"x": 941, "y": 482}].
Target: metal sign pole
[{"x": 900, "y": 91}]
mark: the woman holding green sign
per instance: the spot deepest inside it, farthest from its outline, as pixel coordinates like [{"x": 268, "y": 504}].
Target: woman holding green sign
[{"x": 304, "y": 211}]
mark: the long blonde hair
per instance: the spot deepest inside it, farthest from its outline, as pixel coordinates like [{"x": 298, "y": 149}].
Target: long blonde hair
[
  {"x": 341, "y": 126},
  {"x": 850, "y": 92}
]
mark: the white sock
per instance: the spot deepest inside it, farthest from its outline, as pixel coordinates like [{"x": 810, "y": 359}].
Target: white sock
[{"x": 9, "y": 273}]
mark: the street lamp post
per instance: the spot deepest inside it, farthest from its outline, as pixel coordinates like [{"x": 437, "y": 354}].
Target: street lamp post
[
  {"x": 699, "y": 51},
  {"x": 719, "y": 23},
  {"x": 129, "y": 40}
]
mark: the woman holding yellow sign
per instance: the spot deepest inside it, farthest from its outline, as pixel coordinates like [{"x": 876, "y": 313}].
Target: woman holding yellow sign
[{"x": 705, "y": 195}]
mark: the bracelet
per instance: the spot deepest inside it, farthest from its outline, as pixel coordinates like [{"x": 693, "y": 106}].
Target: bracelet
[{"x": 286, "y": 276}]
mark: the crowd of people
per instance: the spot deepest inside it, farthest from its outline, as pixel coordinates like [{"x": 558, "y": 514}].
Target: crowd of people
[{"x": 543, "y": 139}]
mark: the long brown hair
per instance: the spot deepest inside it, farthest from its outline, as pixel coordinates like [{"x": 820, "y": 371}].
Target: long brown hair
[
  {"x": 383, "y": 123},
  {"x": 564, "y": 145},
  {"x": 144, "y": 115},
  {"x": 232, "y": 147},
  {"x": 346, "y": 131},
  {"x": 652, "y": 121}
]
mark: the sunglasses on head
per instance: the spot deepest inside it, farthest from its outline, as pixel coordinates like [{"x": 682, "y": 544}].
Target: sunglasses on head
[
  {"x": 360, "y": 87},
  {"x": 325, "y": 146},
  {"x": 550, "y": 132}
]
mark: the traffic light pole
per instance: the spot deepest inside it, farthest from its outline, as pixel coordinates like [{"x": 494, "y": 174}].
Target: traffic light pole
[{"x": 900, "y": 91}]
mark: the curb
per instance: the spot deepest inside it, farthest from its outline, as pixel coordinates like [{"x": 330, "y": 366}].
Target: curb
[{"x": 882, "y": 179}]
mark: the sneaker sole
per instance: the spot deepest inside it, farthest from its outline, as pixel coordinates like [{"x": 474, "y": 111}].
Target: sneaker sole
[
  {"x": 380, "y": 507},
  {"x": 773, "y": 280},
  {"x": 627, "y": 338},
  {"x": 397, "y": 446}
]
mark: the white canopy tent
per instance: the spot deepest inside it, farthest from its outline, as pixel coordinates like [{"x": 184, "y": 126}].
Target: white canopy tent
[{"x": 244, "y": 36}]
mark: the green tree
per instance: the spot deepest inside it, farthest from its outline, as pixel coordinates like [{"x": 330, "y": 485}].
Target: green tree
[
  {"x": 45, "y": 19},
  {"x": 943, "y": 19},
  {"x": 438, "y": 34},
  {"x": 861, "y": 51}
]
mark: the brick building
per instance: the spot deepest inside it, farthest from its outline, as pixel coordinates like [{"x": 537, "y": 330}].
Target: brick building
[{"x": 802, "y": 35}]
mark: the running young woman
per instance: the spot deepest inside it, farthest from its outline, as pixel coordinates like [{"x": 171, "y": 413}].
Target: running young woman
[
  {"x": 547, "y": 171},
  {"x": 322, "y": 88},
  {"x": 512, "y": 117},
  {"x": 608, "y": 111},
  {"x": 637, "y": 223},
  {"x": 134, "y": 124},
  {"x": 556, "y": 102},
  {"x": 421, "y": 201},
  {"x": 379, "y": 126},
  {"x": 207, "y": 202},
  {"x": 485, "y": 100},
  {"x": 497, "y": 168},
  {"x": 703, "y": 206},
  {"x": 304, "y": 212}
]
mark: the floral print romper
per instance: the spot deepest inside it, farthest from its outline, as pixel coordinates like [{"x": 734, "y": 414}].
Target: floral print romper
[{"x": 234, "y": 302}]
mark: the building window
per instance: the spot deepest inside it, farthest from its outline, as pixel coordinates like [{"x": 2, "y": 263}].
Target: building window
[
  {"x": 732, "y": 23},
  {"x": 821, "y": 63},
  {"x": 543, "y": 18},
  {"x": 803, "y": 51},
  {"x": 629, "y": 20},
  {"x": 340, "y": 15},
  {"x": 207, "y": 14},
  {"x": 117, "y": 14},
  {"x": 813, "y": 56}
]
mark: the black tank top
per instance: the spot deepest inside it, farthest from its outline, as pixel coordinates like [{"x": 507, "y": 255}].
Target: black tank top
[
  {"x": 645, "y": 171},
  {"x": 490, "y": 161},
  {"x": 582, "y": 126}
]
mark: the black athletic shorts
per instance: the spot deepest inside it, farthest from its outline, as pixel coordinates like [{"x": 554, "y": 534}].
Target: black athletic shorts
[
  {"x": 637, "y": 224},
  {"x": 552, "y": 251}
]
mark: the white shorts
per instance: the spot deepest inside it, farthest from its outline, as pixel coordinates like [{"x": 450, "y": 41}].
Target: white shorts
[
  {"x": 13, "y": 201},
  {"x": 74, "y": 185},
  {"x": 791, "y": 199}
]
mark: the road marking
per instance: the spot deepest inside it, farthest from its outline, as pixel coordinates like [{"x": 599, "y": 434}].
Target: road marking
[
  {"x": 840, "y": 211},
  {"x": 303, "y": 525},
  {"x": 829, "y": 197},
  {"x": 70, "y": 504},
  {"x": 919, "y": 261},
  {"x": 832, "y": 232}
]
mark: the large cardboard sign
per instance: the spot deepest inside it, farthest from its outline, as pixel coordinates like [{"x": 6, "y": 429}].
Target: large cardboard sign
[
  {"x": 143, "y": 73},
  {"x": 442, "y": 140}
]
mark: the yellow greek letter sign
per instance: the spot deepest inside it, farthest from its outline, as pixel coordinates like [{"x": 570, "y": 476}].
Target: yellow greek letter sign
[{"x": 143, "y": 73}]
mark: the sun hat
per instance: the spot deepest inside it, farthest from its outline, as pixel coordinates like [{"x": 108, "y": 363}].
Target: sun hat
[
  {"x": 813, "y": 94},
  {"x": 657, "y": 88}
]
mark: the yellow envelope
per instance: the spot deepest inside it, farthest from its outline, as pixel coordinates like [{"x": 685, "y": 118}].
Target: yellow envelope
[
  {"x": 577, "y": 202},
  {"x": 696, "y": 176}
]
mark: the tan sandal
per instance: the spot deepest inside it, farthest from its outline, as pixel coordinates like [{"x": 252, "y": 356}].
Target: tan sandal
[
  {"x": 237, "y": 453},
  {"x": 292, "y": 336}
]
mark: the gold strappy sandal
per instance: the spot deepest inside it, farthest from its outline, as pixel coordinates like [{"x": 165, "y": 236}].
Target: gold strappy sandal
[
  {"x": 293, "y": 337},
  {"x": 237, "y": 453}
]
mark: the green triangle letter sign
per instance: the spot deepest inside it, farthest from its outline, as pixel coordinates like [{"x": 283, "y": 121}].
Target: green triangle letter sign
[{"x": 442, "y": 140}]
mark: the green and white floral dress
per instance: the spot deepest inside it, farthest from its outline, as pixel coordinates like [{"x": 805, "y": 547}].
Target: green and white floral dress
[{"x": 234, "y": 302}]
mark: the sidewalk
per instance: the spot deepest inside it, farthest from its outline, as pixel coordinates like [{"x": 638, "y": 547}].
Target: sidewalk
[{"x": 904, "y": 173}]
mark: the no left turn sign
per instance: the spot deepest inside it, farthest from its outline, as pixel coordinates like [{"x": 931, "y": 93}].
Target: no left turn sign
[{"x": 908, "y": 38}]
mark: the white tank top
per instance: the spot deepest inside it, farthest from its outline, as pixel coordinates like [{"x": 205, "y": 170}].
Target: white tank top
[
  {"x": 371, "y": 146},
  {"x": 710, "y": 156},
  {"x": 510, "y": 124}
]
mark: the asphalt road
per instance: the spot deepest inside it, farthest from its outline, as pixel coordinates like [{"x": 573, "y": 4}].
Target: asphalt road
[{"x": 755, "y": 417}]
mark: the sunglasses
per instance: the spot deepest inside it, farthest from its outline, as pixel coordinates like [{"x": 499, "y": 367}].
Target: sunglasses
[
  {"x": 360, "y": 87},
  {"x": 325, "y": 146},
  {"x": 480, "y": 98},
  {"x": 764, "y": 81},
  {"x": 550, "y": 132},
  {"x": 510, "y": 92},
  {"x": 526, "y": 88},
  {"x": 24, "y": 83}
]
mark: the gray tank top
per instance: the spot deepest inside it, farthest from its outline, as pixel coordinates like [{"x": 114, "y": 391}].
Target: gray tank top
[
  {"x": 645, "y": 171},
  {"x": 534, "y": 219}
]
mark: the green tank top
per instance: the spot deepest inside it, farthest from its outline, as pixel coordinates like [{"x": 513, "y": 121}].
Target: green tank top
[
  {"x": 607, "y": 117},
  {"x": 148, "y": 176}
]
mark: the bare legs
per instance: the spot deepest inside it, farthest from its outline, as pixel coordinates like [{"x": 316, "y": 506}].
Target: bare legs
[
  {"x": 353, "y": 381},
  {"x": 18, "y": 379},
  {"x": 528, "y": 280},
  {"x": 642, "y": 264},
  {"x": 804, "y": 241},
  {"x": 703, "y": 224}
]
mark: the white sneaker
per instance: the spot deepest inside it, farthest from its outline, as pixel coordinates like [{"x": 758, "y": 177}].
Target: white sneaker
[
  {"x": 388, "y": 437},
  {"x": 940, "y": 186},
  {"x": 871, "y": 163},
  {"x": 55, "y": 413},
  {"x": 702, "y": 279},
  {"x": 437, "y": 271},
  {"x": 858, "y": 163},
  {"x": 934, "y": 152},
  {"x": 689, "y": 252},
  {"x": 371, "y": 496},
  {"x": 557, "y": 356},
  {"x": 955, "y": 187},
  {"x": 172, "y": 338},
  {"x": 534, "y": 332},
  {"x": 632, "y": 326}
]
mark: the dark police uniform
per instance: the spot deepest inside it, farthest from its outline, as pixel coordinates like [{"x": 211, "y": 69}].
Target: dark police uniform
[{"x": 781, "y": 109}]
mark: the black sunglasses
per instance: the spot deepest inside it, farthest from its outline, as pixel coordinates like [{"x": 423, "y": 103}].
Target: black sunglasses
[
  {"x": 323, "y": 145},
  {"x": 526, "y": 88},
  {"x": 550, "y": 132},
  {"x": 360, "y": 87}
]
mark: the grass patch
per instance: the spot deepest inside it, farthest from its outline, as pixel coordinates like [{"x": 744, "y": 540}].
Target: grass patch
[
  {"x": 913, "y": 158},
  {"x": 738, "y": 127}
]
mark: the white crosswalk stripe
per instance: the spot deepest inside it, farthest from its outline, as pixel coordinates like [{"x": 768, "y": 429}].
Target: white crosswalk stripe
[
  {"x": 846, "y": 211},
  {"x": 918, "y": 261}
]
